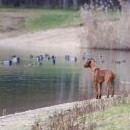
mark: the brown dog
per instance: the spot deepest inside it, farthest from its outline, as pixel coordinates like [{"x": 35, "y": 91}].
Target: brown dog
[{"x": 100, "y": 76}]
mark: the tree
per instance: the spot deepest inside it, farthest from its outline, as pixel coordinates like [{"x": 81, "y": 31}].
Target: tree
[
  {"x": 60, "y": 3},
  {"x": 65, "y": 4},
  {"x": 75, "y": 4}
]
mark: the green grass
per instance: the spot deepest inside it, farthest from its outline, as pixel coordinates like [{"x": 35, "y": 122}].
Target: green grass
[
  {"x": 42, "y": 19},
  {"x": 46, "y": 19},
  {"x": 115, "y": 118},
  {"x": 82, "y": 117}
]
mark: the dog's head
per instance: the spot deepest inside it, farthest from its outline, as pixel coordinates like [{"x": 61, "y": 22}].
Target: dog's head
[{"x": 88, "y": 63}]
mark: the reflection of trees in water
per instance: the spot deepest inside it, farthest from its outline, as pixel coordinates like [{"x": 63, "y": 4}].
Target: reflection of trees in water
[
  {"x": 11, "y": 93},
  {"x": 86, "y": 85},
  {"x": 67, "y": 87},
  {"x": 39, "y": 87}
]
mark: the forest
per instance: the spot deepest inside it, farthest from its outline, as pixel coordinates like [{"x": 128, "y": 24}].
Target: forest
[{"x": 75, "y": 4}]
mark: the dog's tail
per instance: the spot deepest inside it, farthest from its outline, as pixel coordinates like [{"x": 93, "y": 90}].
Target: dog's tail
[{"x": 113, "y": 78}]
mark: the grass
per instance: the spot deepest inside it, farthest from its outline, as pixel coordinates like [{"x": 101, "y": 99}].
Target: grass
[
  {"x": 115, "y": 118},
  {"x": 104, "y": 114},
  {"x": 46, "y": 19},
  {"x": 42, "y": 19}
]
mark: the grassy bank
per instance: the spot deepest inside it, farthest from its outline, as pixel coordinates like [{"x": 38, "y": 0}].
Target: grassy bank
[
  {"x": 37, "y": 19},
  {"x": 104, "y": 114},
  {"x": 45, "y": 19},
  {"x": 115, "y": 118},
  {"x": 41, "y": 19}
]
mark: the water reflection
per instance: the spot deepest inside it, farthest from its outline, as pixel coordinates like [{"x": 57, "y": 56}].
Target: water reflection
[{"x": 23, "y": 87}]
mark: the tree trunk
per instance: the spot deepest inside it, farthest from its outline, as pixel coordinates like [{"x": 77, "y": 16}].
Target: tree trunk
[
  {"x": 65, "y": 4},
  {"x": 60, "y": 3},
  {"x": 27, "y": 3},
  {"x": 0, "y": 2},
  {"x": 47, "y": 3},
  {"x": 75, "y": 4}
]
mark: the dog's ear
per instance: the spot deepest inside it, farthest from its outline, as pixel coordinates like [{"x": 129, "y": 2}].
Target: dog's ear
[
  {"x": 91, "y": 59},
  {"x": 88, "y": 63}
]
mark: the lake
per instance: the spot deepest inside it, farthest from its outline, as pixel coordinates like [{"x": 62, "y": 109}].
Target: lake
[{"x": 28, "y": 86}]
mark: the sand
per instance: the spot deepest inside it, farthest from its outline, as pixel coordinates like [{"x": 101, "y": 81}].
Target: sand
[{"x": 55, "y": 40}]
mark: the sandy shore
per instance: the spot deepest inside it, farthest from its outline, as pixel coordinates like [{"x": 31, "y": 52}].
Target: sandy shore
[{"x": 55, "y": 40}]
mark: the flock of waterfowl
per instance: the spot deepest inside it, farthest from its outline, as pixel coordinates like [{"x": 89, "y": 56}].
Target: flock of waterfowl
[{"x": 46, "y": 57}]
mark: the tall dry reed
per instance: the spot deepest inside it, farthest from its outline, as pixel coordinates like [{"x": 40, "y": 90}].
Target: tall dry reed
[{"x": 106, "y": 30}]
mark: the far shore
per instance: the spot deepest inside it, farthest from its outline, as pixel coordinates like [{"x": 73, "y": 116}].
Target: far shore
[{"x": 62, "y": 39}]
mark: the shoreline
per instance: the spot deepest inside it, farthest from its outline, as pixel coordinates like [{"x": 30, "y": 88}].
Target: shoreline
[{"x": 25, "y": 120}]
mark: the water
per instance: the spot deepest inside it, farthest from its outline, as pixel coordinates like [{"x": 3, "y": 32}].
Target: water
[{"x": 23, "y": 87}]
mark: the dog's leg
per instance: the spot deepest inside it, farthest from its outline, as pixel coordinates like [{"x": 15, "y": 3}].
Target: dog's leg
[
  {"x": 96, "y": 89},
  {"x": 112, "y": 89},
  {"x": 99, "y": 90},
  {"x": 107, "y": 89}
]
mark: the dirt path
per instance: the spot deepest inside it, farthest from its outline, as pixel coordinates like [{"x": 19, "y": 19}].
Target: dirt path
[
  {"x": 56, "y": 41},
  {"x": 12, "y": 24}
]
